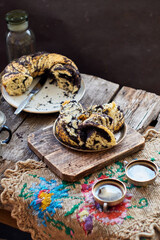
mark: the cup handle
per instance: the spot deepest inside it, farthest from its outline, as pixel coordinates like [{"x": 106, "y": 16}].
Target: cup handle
[
  {"x": 105, "y": 205},
  {"x": 5, "y": 128}
]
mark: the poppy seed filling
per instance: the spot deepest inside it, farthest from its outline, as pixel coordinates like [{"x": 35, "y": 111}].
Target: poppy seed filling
[{"x": 89, "y": 129}]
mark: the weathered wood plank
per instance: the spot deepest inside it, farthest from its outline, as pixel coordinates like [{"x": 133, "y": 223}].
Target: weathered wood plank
[
  {"x": 140, "y": 107},
  {"x": 5, "y": 218},
  {"x": 13, "y": 121},
  {"x": 18, "y": 149},
  {"x": 71, "y": 165},
  {"x": 98, "y": 90}
]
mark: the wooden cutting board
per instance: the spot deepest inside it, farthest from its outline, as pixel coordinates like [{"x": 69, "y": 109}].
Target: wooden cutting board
[{"x": 71, "y": 165}]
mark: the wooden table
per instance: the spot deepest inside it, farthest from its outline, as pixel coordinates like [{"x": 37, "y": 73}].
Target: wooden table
[{"x": 141, "y": 110}]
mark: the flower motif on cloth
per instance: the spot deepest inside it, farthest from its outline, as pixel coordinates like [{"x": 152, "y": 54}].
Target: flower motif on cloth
[
  {"x": 47, "y": 197},
  {"x": 92, "y": 210}
]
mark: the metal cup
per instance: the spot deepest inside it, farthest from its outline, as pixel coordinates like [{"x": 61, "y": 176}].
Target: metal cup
[
  {"x": 3, "y": 127},
  {"x": 141, "y": 172},
  {"x": 109, "y": 192}
]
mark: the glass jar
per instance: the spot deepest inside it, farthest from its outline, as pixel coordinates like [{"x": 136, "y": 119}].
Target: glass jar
[{"x": 20, "y": 40}]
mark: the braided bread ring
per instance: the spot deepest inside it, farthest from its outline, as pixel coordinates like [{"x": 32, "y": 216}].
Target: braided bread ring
[{"x": 19, "y": 74}]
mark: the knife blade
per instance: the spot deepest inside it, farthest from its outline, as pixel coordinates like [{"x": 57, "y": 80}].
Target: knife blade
[{"x": 33, "y": 92}]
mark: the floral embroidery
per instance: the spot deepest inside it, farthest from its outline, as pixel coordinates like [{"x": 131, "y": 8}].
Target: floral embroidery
[
  {"x": 60, "y": 225},
  {"x": 46, "y": 198},
  {"x": 92, "y": 210}
]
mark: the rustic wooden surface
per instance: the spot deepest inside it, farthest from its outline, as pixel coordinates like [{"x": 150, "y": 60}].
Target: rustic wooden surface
[
  {"x": 5, "y": 218},
  {"x": 71, "y": 165},
  {"x": 98, "y": 90},
  {"x": 140, "y": 108}
]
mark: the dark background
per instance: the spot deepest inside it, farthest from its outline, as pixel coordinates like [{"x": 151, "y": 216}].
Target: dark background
[
  {"x": 9, "y": 233},
  {"x": 116, "y": 40}
]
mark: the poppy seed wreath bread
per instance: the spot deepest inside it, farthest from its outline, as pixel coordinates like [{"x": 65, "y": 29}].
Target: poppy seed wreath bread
[
  {"x": 94, "y": 135},
  {"x": 111, "y": 110},
  {"x": 19, "y": 74},
  {"x": 67, "y": 124},
  {"x": 91, "y": 129}
]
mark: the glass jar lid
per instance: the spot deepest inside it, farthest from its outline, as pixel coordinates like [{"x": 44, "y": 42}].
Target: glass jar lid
[{"x": 16, "y": 17}]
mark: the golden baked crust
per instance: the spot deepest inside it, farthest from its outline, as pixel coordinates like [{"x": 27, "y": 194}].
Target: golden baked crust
[
  {"x": 94, "y": 135},
  {"x": 91, "y": 129},
  {"x": 102, "y": 119},
  {"x": 116, "y": 114},
  {"x": 111, "y": 110},
  {"x": 19, "y": 74},
  {"x": 71, "y": 107},
  {"x": 65, "y": 133},
  {"x": 67, "y": 123}
]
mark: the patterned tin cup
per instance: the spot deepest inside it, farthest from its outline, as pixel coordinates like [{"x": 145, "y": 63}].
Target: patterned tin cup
[
  {"x": 141, "y": 172},
  {"x": 109, "y": 192}
]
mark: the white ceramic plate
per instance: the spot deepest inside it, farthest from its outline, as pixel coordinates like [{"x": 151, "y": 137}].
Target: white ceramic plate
[
  {"x": 119, "y": 136},
  {"x": 47, "y": 100}
]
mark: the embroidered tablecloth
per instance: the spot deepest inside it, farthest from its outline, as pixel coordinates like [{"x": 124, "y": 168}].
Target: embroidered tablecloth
[{"x": 50, "y": 208}]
